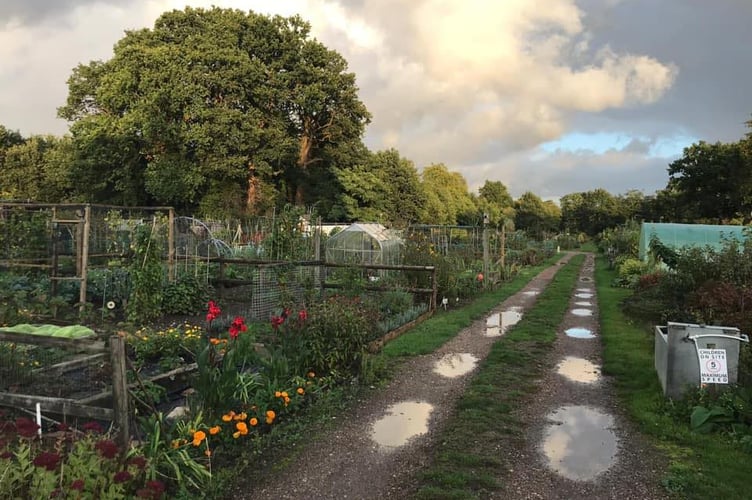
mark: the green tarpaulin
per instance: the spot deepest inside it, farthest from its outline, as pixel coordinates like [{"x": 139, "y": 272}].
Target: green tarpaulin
[{"x": 692, "y": 235}]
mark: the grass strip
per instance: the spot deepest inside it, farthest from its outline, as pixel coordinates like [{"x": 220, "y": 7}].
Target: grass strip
[
  {"x": 699, "y": 466},
  {"x": 444, "y": 325},
  {"x": 466, "y": 462}
]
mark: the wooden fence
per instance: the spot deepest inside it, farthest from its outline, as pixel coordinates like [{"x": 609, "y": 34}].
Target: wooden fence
[{"x": 91, "y": 350}]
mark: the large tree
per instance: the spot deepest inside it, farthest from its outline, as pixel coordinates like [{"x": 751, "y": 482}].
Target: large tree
[
  {"x": 536, "y": 216},
  {"x": 215, "y": 104},
  {"x": 37, "y": 170},
  {"x": 494, "y": 199},
  {"x": 713, "y": 182},
  {"x": 447, "y": 198}
]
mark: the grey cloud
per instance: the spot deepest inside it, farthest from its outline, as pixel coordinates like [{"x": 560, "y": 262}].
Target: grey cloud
[{"x": 31, "y": 12}]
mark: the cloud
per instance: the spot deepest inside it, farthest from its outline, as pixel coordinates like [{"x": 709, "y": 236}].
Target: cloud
[
  {"x": 32, "y": 12},
  {"x": 455, "y": 80}
]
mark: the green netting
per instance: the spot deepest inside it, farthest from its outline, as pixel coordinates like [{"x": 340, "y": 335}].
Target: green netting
[{"x": 692, "y": 235}]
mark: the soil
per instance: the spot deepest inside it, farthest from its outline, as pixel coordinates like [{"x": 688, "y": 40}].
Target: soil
[{"x": 346, "y": 463}]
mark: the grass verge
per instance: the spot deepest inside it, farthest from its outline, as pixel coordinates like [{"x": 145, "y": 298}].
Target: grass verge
[
  {"x": 699, "y": 466},
  {"x": 466, "y": 462},
  {"x": 444, "y": 325}
]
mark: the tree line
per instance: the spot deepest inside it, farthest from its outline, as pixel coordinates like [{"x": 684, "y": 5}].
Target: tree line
[{"x": 223, "y": 112}]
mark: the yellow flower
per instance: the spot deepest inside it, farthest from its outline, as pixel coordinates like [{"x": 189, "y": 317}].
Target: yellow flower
[
  {"x": 285, "y": 395},
  {"x": 198, "y": 437},
  {"x": 253, "y": 421},
  {"x": 215, "y": 430},
  {"x": 301, "y": 391},
  {"x": 236, "y": 435}
]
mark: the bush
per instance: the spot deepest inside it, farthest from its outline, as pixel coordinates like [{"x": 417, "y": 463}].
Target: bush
[
  {"x": 629, "y": 271},
  {"x": 187, "y": 295}
]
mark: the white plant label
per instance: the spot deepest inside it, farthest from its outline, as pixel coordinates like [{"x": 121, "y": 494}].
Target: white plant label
[{"x": 713, "y": 367}]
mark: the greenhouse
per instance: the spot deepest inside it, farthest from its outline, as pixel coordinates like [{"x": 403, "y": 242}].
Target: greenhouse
[
  {"x": 362, "y": 243},
  {"x": 687, "y": 235}
]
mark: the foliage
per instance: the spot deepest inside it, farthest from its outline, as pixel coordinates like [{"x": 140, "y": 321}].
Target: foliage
[
  {"x": 336, "y": 334},
  {"x": 71, "y": 465},
  {"x": 713, "y": 182},
  {"x": 216, "y": 109},
  {"x": 629, "y": 272},
  {"x": 169, "y": 347},
  {"x": 535, "y": 216},
  {"x": 186, "y": 295},
  {"x": 620, "y": 241},
  {"x": 447, "y": 199},
  {"x": 145, "y": 301}
]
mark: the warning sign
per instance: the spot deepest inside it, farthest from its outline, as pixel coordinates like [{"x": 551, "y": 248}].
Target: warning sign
[{"x": 713, "y": 368}]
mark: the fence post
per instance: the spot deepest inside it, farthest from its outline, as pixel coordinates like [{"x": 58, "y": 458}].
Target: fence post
[
  {"x": 120, "y": 390},
  {"x": 171, "y": 245},
  {"x": 84, "y": 259},
  {"x": 435, "y": 285}
]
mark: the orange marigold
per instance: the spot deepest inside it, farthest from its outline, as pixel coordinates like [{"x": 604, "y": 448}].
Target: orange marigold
[
  {"x": 277, "y": 394},
  {"x": 215, "y": 430},
  {"x": 301, "y": 391},
  {"x": 242, "y": 428},
  {"x": 253, "y": 421},
  {"x": 214, "y": 341},
  {"x": 270, "y": 414},
  {"x": 198, "y": 437},
  {"x": 228, "y": 416}
]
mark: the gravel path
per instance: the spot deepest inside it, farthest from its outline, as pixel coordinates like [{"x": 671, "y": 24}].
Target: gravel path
[
  {"x": 346, "y": 462},
  {"x": 634, "y": 471}
]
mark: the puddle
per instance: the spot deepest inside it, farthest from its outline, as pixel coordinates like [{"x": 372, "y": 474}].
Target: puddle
[
  {"x": 531, "y": 293},
  {"x": 402, "y": 422},
  {"x": 579, "y": 443},
  {"x": 584, "y": 295},
  {"x": 584, "y": 289},
  {"x": 580, "y": 333},
  {"x": 586, "y": 279},
  {"x": 454, "y": 365},
  {"x": 497, "y": 324},
  {"x": 583, "y": 303},
  {"x": 579, "y": 370},
  {"x": 582, "y": 312}
]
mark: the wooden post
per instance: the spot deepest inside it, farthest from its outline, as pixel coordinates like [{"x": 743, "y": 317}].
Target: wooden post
[
  {"x": 84, "y": 258},
  {"x": 317, "y": 281},
  {"x": 54, "y": 263},
  {"x": 120, "y": 389},
  {"x": 485, "y": 254},
  {"x": 171, "y": 245},
  {"x": 503, "y": 257},
  {"x": 435, "y": 286},
  {"x": 221, "y": 280}
]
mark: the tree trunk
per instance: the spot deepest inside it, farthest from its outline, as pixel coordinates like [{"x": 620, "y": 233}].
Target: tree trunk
[{"x": 252, "y": 195}]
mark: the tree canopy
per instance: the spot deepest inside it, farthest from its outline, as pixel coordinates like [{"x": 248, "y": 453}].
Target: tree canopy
[{"x": 213, "y": 104}]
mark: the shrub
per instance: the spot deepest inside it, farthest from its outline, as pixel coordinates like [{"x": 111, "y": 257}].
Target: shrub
[
  {"x": 629, "y": 271},
  {"x": 187, "y": 295}
]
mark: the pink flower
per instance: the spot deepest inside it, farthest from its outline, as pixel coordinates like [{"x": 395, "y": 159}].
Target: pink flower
[
  {"x": 122, "y": 476},
  {"x": 78, "y": 484},
  {"x": 107, "y": 448},
  {"x": 303, "y": 315},
  {"x": 47, "y": 460}
]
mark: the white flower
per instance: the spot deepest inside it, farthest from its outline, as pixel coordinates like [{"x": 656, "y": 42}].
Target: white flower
[{"x": 111, "y": 304}]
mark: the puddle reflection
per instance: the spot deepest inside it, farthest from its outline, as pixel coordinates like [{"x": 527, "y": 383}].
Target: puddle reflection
[
  {"x": 580, "y": 333},
  {"x": 531, "y": 292},
  {"x": 402, "y": 422},
  {"x": 455, "y": 364},
  {"x": 584, "y": 289},
  {"x": 580, "y": 443},
  {"x": 584, "y": 303},
  {"x": 578, "y": 370},
  {"x": 584, "y": 295},
  {"x": 582, "y": 312},
  {"x": 497, "y": 324}
]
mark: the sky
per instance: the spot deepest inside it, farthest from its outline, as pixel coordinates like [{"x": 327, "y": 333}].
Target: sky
[{"x": 548, "y": 96}]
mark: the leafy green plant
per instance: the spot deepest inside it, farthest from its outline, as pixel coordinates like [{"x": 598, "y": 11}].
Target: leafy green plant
[
  {"x": 169, "y": 347},
  {"x": 187, "y": 295},
  {"x": 145, "y": 301}
]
